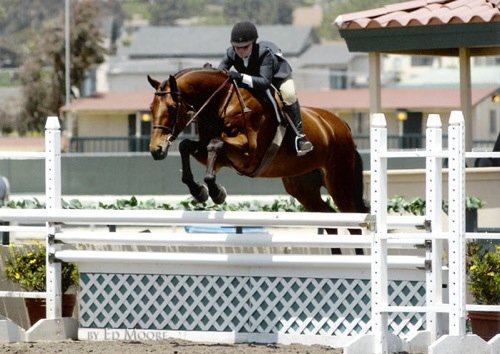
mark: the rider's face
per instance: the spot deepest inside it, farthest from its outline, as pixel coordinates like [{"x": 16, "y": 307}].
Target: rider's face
[{"x": 244, "y": 52}]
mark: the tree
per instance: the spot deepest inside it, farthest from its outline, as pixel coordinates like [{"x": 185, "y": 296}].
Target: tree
[
  {"x": 259, "y": 12},
  {"x": 25, "y": 14},
  {"x": 43, "y": 71},
  {"x": 166, "y": 12},
  {"x": 35, "y": 88}
]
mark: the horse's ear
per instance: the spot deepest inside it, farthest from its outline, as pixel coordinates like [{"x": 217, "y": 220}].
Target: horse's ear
[
  {"x": 173, "y": 84},
  {"x": 207, "y": 66},
  {"x": 153, "y": 83}
]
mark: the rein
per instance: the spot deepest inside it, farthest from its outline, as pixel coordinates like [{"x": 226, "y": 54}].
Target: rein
[
  {"x": 196, "y": 114},
  {"x": 207, "y": 102}
]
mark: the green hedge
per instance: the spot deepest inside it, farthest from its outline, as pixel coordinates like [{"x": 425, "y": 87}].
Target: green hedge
[{"x": 398, "y": 205}]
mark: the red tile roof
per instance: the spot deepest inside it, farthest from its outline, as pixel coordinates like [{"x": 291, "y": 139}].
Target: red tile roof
[
  {"x": 410, "y": 98},
  {"x": 422, "y": 13},
  {"x": 392, "y": 98},
  {"x": 126, "y": 101}
]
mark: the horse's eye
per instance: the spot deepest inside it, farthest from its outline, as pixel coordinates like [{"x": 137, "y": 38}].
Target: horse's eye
[{"x": 171, "y": 110}]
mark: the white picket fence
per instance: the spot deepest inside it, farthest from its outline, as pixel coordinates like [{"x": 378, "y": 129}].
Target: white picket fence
[{"x": 383, "y": 302}]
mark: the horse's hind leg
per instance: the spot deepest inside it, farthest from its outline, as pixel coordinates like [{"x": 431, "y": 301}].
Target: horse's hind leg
[
  {"x": 307, "y": 190},
  {"x": 345, "y": 184},
  {"x": 216, "y": 191},
  {"x": 198, "y": 191}
]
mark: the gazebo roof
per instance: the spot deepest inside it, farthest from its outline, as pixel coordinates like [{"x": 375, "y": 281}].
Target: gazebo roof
[{"x": 433, "y": 27}]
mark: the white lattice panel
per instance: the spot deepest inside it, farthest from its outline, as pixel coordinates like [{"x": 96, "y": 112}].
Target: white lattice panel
[{"x": 240, "y": 304}]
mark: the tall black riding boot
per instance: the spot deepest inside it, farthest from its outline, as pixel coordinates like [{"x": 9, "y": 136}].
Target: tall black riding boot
[{"x": 302, "y": 144}]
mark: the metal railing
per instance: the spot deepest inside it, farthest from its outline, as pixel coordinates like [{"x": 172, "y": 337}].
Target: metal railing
[
  {"x": 87, "y": 144},
  {"x": 141, "y": 144}
]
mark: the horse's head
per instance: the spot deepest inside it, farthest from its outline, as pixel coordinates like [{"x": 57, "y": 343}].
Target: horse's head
[{"x": 170, "y": 116}]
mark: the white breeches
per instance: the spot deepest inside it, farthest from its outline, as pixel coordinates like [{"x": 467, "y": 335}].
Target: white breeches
[{"x": 287, "y": 90}]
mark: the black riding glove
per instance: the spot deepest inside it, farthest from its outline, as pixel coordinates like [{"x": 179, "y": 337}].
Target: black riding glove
[{"x": 234, "y": 75}]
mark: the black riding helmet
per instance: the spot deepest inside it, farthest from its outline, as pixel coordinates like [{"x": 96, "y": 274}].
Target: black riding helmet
[{"x": 243, "y": 33}]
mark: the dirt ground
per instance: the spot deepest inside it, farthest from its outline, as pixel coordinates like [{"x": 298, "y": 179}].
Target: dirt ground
[{"x": 163, "y": 347}]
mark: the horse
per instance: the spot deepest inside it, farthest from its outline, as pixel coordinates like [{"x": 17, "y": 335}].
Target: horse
[{"x": 236, "y": 129}]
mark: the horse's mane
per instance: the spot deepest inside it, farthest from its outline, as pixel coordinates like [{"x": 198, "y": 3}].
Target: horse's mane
[
  {"x": 205, "y": 68},
  {"x": 197, "y": 69}
]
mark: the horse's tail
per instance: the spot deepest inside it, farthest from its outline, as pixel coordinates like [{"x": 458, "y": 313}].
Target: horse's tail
[{"x": 361, "y": 206}]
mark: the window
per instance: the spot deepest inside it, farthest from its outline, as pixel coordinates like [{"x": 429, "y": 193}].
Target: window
[
  {"x": 493, "y": 122},
  {"x": 338, "y": 79},
  {"x": 487, "y": 61},
  {"x": 422, "y": 60}
]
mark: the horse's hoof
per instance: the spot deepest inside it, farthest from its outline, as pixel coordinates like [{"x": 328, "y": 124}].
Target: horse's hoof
[
  {"x": 221, "y": 196},
  {"x": 202, "y": 195}
]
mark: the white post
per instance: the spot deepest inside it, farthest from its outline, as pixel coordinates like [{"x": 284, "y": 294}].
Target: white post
[
  {"x": 465, "y": 95},
  {"x": 53, "y": 201},
  {"x": 456, "y": 223},
  {"x": 433, "y": 202},
  {"x": 374, "y": 84},
  {"x": 378, "y": 196}
]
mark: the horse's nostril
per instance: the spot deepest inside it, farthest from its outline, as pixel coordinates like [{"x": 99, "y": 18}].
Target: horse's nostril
[{"x": 158, "y": 153}]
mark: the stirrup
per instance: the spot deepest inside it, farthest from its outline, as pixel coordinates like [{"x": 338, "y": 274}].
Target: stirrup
[{"x": 307, "y": 146}]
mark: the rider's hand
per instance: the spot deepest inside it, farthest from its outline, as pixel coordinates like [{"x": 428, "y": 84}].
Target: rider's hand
[{"x": 234, "y": 75}]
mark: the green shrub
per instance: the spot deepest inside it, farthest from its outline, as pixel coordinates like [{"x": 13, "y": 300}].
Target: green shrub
[{"x": 26, "y": 266}]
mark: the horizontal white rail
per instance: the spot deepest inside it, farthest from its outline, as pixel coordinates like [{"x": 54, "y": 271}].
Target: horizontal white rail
[
  {"x": 476, "y": 154},
  {"x": 19, "y": 228},
  {"x": 441, "y": 154},
  {"x": 237, "y": 259},
  {"x": 416, "y": 236},
  {"x": 19, "y": 155},
  {"x": 23, "y": 294},
  {"x": 483, "y": 308},
  {"x": 296, "y": 239},
  {"x": 413, "y": 153},
  {"x": 179, "y": 217},
  {"x": 405, "y": 221},
  {"x": 183, "y": 217},
  {"x": 482, "y": 235}
]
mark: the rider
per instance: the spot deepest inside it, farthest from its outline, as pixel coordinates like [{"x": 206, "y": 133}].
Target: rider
[{"x": 258, "y": 66}]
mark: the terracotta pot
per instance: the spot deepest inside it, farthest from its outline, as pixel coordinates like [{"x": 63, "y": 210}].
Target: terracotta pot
[
  {"x": 37, "y": 309},
  {"x": 485, "y": 324}
]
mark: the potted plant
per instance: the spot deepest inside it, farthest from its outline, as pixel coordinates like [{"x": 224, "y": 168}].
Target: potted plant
[
  {"x": 483, "y": 270},
  {"x": 26, "y": 266},
  {"x": 472, "y": 204}
]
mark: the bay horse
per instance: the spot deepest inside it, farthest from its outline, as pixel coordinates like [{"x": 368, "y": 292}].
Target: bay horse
[{"x": 236, "y": 129}]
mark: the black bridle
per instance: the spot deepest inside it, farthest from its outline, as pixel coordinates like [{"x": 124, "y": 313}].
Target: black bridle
[
  {"x": 178, "y": 104},
  {"x": 176, "y": 96}
]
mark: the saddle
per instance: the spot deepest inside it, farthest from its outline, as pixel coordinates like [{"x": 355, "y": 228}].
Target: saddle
[
  {"x": 277, "y": 104},
  {"x": 271, "y": 97}
]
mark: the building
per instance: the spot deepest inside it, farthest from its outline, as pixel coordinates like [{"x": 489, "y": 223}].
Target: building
[
  {"x": 326, "y": 75},
  {"x": 162, "y": 51}
]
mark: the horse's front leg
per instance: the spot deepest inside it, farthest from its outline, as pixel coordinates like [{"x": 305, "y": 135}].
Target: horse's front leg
[
  {"x": 199, "y": 191},
  {"x": 216, "y": 191}
]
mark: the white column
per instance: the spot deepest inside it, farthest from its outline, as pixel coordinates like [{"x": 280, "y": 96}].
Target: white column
[
  {"x": 456, "y": 223},
  {"x": 378, "y": 197},
  {"x": 53, "y": 201},
  {"x": 465, "y": 95},
  {"x": 374, "y": 84},
  {"x": 433, "y": 202}
]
